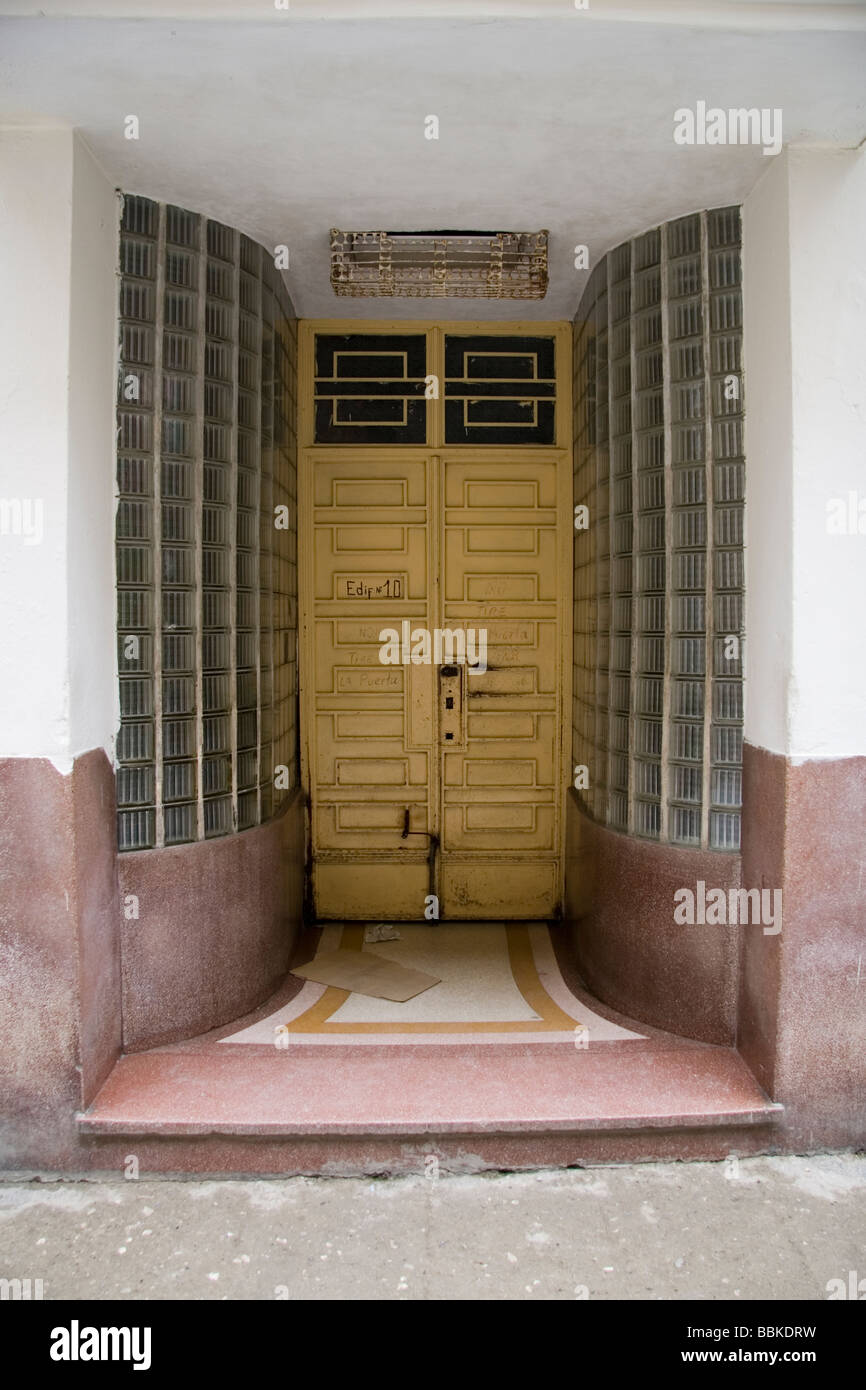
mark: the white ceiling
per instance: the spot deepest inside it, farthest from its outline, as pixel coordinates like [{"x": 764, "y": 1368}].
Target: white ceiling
[
  {"x": 809, "y": 14},
  {"x": 288, "y": 126}
]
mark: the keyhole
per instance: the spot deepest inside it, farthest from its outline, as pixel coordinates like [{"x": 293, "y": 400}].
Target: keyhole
[{"x": 449, "y": 702}]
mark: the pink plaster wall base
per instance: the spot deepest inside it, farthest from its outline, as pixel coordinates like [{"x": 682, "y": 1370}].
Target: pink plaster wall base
[
  {"x": 215, "y": 928},
  {"x": 231, "y": 1155},
  {"x": 628, "y": 948},
  {"x": 803, "y": 992},
  {"x": 93, "y": 806},
  {"x": 60, "y": 1002},
  {"x": 216, "y": 925}
]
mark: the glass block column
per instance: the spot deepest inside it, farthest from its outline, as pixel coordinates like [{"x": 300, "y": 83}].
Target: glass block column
[
  {"x": 178, "y": 520},
  {"x": 600, "y": 524},
  {"x": 619, "y": 572},
  {"x": 252, "y": 605},
  {"x": 583, "y": 676},
  {"x": 137, "y": 524},
  {"x": 650, "y": 564},
  {"x": 725, "y": 393},
  {"x": 202, "y": 567},
  {"x": 663, "y": 560},
  {"x": 685, "y": 317}
]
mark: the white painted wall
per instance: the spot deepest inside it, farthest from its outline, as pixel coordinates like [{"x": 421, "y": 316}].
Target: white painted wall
[
  {"x": 805, "y": 392},
  {"x": 828, "y": 320},
  {"x": 57, "y": 353},
  {"x": 769, "y": 528},
  {"x": 739, "y": 14},
  {"x": 35, "y": 222}
]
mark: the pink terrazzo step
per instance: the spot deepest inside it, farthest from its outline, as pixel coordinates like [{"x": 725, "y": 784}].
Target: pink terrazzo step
[{"x": 424, "y": 1090}]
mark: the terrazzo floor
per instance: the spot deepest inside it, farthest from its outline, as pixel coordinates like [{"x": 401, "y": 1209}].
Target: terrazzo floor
[{"x": 497, "y": 982}]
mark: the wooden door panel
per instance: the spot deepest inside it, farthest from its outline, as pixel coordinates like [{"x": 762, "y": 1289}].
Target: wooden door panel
[
  {"x": 372, "y": 743},
  {"x": 501, "y": 789}
]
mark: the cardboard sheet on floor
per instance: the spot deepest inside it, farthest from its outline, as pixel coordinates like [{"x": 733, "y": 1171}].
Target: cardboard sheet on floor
[{"x": 366, "y": 973}]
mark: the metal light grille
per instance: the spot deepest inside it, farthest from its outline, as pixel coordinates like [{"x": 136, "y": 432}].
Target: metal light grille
[
  {"x": 206, "y": 579},
  {"x": 658, "y": 704},
  {"x": 467, "y": 265}
]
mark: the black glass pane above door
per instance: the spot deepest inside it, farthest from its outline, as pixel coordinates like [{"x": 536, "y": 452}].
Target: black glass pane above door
[
  {"x": 499, "y": 390},
  {"x": 370, "y": 388}
]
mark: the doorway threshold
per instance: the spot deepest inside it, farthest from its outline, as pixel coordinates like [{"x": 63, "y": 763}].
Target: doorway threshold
[{"x": 573, "y": 1083}]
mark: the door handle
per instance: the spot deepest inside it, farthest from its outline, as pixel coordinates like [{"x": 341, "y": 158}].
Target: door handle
[
  {"x": 451, "y": 704},
  {"x": 455, "y": 670}
]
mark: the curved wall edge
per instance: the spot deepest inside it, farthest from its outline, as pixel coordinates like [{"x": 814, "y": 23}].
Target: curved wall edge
[
  {"x": 628, "y": 948},
  {"x": 216, "y": 925}
]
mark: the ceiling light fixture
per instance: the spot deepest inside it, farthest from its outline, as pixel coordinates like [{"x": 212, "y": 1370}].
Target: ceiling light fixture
[{"x": 461, "y": 265}]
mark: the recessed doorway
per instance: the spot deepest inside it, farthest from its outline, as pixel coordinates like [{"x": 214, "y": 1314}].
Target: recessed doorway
[{"x": 435, "y": 600}]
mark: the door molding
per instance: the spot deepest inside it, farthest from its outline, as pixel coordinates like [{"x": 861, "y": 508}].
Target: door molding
[{"x": 433, "y": 453}]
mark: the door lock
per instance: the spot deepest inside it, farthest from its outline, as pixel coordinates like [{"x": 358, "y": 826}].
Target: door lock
[{"x": 451, "y": 703}]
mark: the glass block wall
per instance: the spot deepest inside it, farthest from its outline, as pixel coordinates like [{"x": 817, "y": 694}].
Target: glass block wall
[
  {"x": 658, "y": 679},
  {"x": 206, "y": 531}
]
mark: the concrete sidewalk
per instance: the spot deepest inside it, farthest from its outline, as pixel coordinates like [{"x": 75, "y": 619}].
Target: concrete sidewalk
[{"x": 765, "y": 1228}]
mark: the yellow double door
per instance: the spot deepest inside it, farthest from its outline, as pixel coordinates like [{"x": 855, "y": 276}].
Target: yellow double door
[{"x": 435, "y": 594}]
